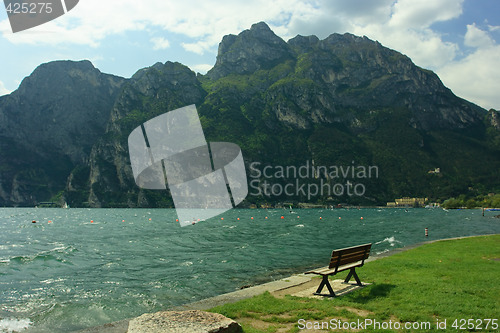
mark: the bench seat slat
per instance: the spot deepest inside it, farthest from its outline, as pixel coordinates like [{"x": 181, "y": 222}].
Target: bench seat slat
[
  {"x": 354, "y": 248},
  {"x": 330, "y": 271},
  {"x": 345, "y": 259},
  {"x": 351, "y": 254}
]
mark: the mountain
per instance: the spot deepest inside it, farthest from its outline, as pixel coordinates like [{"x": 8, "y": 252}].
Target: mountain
[
  {"x": 342, "y": 101},
  {"x": 48, "y": 127},
  {"x": 108, "y": 180}
]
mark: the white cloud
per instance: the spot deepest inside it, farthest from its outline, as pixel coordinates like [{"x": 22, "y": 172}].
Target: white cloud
[
  {"x": 360, "y": 11},
  {"x": 475, "y": 77},
  {"x": 3, "y": 90},
  {"x": 475, "y": 37},
  {"x": 423, "y": 13},
  {"x": 424, "y": 47},
  {"x": 160, "y": 43},
  {"x": 199, "y": 47},
  {"x": 201, "y": 68},
  {"x": 5, "y": 27},
  {"x": 208, "y": 20}
]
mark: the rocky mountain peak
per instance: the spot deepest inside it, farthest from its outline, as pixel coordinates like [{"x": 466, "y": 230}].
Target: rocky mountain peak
[
  {"x": 63, "y": 106},
  {"x": 58, "y": 73},
  {"x": 172, "y": 83},
  {"x": 261, "y": 30},
  {"x": 253, "y": 49},
  {"x": 303, "y": 42}
]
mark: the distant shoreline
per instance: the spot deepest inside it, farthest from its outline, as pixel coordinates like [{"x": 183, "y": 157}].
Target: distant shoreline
[{"x": 285, "y": 207}]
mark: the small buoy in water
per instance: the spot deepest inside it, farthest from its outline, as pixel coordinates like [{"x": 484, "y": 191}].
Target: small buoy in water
[
  {"x": 282, "y": 217},
  {"x": 222, "y": 218},
  {"x": 298, "y": 216},
  {"x": 91, "y": 221},
  {"x": 266, "y": 217},
  {"x": 320, "y": 218},
  {"x": 33, "y": 221},
  {"x": 123, "y": 220},
  {"x": 50, "y": 221},
  {"x": 361, "y": 217},
  {"x": 150, "y": 219},
  {"x": 176, "y": 220},
  {"x": 251, "y": 218},
  {"x": 340, "y": 218},
  {"x": 426, "y": 232},
  {"x": 238, "y": 218}
]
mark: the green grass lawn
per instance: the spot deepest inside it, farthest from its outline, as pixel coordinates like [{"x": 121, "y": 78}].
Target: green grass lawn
[{"x": 454, "y": 280}]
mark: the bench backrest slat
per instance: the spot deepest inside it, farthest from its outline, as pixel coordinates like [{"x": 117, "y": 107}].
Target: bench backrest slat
[{"x": 350, "y": 255}]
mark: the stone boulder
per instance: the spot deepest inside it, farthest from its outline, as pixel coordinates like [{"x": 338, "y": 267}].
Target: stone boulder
[{"x": 192, "y": 321}]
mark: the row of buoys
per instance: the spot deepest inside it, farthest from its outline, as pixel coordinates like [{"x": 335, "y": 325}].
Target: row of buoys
[
  {"x": 222, "y": 219},
  {"x": 251, "y": 218},
  {"x": 91, "y": 221}
]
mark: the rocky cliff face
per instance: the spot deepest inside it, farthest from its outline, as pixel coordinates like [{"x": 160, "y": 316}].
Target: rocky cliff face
[
  {"x": 254, "y": 49},
  {"x": 62, "y": 106},
  {"x": 148, "y": 93},
  {"x": 337, "y": 101},
  {"x": 49, "y": 125},
  {"x": 360, "y": 74},
  {"x": 493, "y": 119},
  {"x": 330, "y": 78}
]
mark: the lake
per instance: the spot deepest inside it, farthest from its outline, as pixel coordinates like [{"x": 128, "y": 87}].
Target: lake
[{"x": 78, "y": 268}]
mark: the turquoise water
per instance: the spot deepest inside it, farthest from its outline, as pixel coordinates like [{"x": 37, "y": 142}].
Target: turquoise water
[{"x": 65, "y": 272}]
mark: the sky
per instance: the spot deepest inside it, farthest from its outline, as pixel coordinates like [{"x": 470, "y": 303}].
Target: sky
[{"x": 457, "y": 39}]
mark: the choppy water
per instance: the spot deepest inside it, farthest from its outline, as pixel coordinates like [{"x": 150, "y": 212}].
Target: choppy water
[{"x": 65, "y": 272}]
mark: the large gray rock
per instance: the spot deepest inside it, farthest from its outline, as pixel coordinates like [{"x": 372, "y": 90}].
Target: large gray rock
[{"x": 193, "y": 321}]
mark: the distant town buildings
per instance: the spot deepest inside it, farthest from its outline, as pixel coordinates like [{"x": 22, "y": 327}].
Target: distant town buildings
[{"x": 408, "y": 202}]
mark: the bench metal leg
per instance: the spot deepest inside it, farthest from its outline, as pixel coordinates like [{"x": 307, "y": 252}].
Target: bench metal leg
[
  {"x": 352, "y": 273},
  {"x": 325, "y": 282}
]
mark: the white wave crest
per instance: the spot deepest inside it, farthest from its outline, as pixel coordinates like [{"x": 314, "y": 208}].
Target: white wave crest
[
  {"x": 391, "y": 240},
  {"x": 14, "y": 325}
]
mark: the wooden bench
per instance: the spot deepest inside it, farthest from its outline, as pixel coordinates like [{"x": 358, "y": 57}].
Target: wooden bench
[{"x": 342, "y": 260}]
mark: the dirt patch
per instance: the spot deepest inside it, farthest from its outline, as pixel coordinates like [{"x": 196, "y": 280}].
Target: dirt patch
[
  {"x": 285, "y": 316},
  {"x": 264, "y": 325},
  {"x": 358, "y": 312},
  {"x": 314, "y": 326},
  {"x": 494, "y": 259}
]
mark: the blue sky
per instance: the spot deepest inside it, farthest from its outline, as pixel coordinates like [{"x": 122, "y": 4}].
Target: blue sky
[{"x": 458, "y": 39}]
